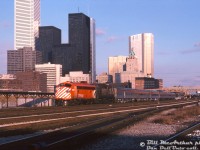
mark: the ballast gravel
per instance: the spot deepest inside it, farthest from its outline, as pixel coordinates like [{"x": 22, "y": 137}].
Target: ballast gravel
[{"x": 136, "y": 136}]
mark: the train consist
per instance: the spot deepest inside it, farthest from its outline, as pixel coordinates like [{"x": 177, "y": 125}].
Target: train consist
[
  {"x": 126, "y": 94},
  {"x": 69, "y": 92}
]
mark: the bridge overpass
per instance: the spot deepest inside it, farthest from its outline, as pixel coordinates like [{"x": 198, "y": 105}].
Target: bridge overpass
[{"x": 6, "y": 97}]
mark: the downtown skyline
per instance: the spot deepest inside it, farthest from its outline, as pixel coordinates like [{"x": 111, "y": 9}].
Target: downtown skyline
[{"x": 175, "y": 26}]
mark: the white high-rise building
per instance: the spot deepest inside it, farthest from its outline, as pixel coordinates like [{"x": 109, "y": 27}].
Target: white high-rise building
[
  {"x": 116, "y": 65},
  {"x": 26, "y": 23},
  {"x": 53, "y": 71},
  {"x": 92, "y": 50},
  {"x": 143, "y": 47}
]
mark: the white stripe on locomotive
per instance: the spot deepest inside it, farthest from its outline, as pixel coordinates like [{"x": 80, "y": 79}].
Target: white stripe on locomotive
[{"x": 63, "y": 93}]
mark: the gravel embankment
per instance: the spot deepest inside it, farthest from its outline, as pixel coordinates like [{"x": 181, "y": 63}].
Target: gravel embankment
[{"x": 131, "y": 137}]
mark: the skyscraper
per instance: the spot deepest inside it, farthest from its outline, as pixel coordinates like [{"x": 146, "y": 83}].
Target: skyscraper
[
  {"x": 49, "y": 36},
  {"x": 26, "y": 23},
  {"x": 79, "y": 38},
  {"x": 79, "y": 54},
  {"x": 143, "y": 47},
  {"x": 64, "y": 54}
]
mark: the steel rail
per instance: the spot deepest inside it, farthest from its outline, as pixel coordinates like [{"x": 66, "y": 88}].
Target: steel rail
[
  {"x": 86, "y": 124},
  {"x": 115, "y": 112},
  {"x": 89, "y": 110},
  {"x": 90, "y": 115}
]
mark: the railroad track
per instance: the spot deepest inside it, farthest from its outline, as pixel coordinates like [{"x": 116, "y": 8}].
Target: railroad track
[
  {"x": 77, "y": 130},
  {"x": 72, "y": 112},
  {"x": 46, "y": 111},
  {"x": 67, "y": 137},
  {"x": 97, "y": 131},
  {"x": 42, "y": 118}
]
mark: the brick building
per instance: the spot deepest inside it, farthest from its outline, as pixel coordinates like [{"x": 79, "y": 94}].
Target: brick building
[
  {"x": 24, "y": 81},
  {"x": 33, "y": 81},
  {"x": 9, "y": 82},
  {"x": 147, "y": 83}
]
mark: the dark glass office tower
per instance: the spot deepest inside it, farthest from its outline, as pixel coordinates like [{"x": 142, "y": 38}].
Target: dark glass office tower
[
  {"x": 79, "y": 53},
  {"x": 49, "y": 36},
  {"x": 79, "y": 38},
  {"x": 63, "y": 54}
]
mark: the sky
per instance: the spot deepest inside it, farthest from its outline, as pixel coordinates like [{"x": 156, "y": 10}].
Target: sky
[{"x": 175, "y": 25}]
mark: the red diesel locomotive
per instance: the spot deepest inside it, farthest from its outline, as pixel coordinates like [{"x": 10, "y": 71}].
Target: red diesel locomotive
[{"x": 69, "y": 91}]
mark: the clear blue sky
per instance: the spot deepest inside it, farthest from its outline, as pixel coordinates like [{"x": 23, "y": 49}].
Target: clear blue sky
[{"x": 174, "y": 23}]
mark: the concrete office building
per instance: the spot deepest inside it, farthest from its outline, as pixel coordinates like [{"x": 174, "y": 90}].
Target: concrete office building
[
  {"x": 116, "y": 64},
  {"x": 53, "y": 71},
  {"x": 26, "y": 23},
  {"x": 75, "y": 76},
  {"x": 104, "y": 78},
  {"x": 132, "y": 63},
  {"x": 131, "y": 71},
  {"x": 126, "y": 76},
  {"x": 23, "y": 59},
  {"x": 143, "y": 46}
]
